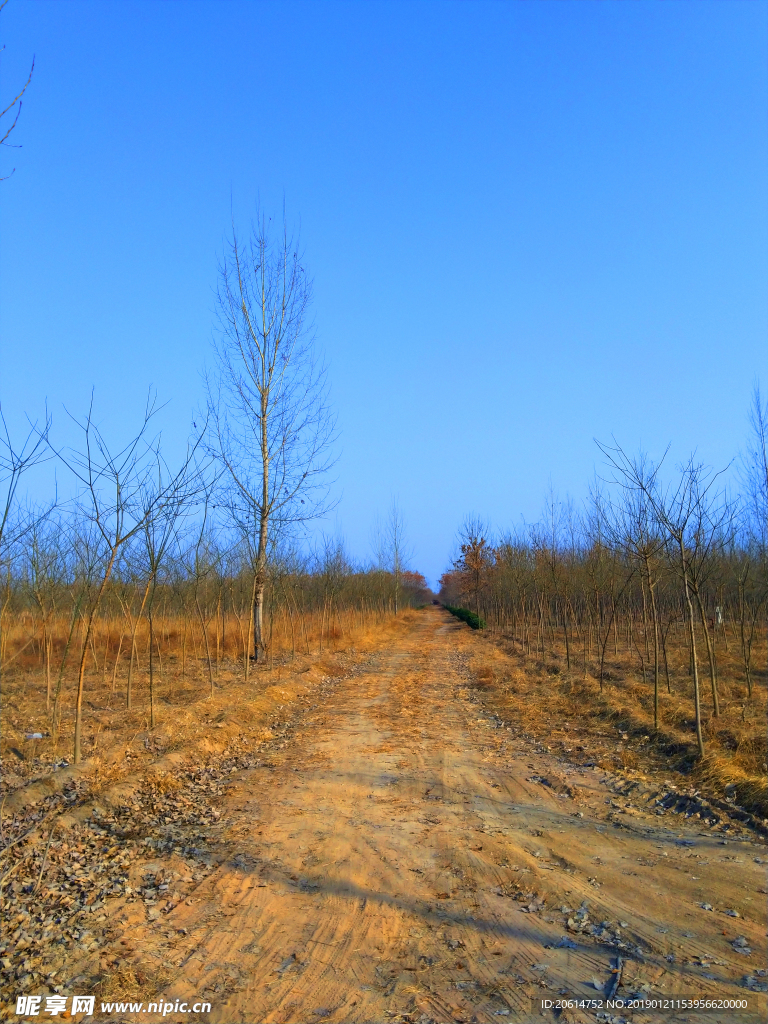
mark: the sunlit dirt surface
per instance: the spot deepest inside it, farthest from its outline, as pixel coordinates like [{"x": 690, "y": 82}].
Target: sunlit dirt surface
[{"x": 401, "y": 858}]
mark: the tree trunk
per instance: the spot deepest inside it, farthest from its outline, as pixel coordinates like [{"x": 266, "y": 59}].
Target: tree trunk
[
  {"x": 293, "y": 631},
  {"x": 567, "y": 643},
  {"x": 259, "y": 649},
  {"x": 746, "y": 645},
  {"x": 691, "y": 626},
  {"x": 135, "y": 626},
  {"x": 48, "y": 641},
  {"x": 151, "y": 668},
  {"x": 218, "y": 635},
  {"x": 710, "y": 655},
  {"x": 77, "y": 756},
  {"x": 117, "y": 661},
  {"x": 59, "y": 681},
  {"x": 205, "y": 641},
  {"x": 655, "y": 618},
  {"x": 587, "y": 633},
  {"x": 322, "y": 625},
  {"x": 249, "y": 639},
  {"x": 645, "y": 613},
  {"x": 666, "y": 661}
]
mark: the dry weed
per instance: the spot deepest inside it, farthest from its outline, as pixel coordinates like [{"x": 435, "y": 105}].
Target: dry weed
[
  {"x": 124, "y": 984},
  {"x": 614, "y": 727},
  {"x": 484, "y": 676}
]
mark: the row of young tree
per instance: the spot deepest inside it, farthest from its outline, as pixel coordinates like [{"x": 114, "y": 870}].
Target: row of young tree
[
  {"x": 652, "y": 556},
  {"x": 189, "y": 602},
  {"x": 166, "y": 572},
  {"x": 223, "y": 527}
]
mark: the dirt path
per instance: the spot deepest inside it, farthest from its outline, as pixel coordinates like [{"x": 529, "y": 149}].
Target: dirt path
[{"x": 404, "y": 861}]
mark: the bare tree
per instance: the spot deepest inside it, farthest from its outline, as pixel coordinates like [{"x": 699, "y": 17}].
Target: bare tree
[
  {"x": 268, "y": 409},
  {"x": 163, "y": 502},
  {"x": 332, "y": 567},
  {"x": 608, "y": 575},
  {"x": 391, "y": 550},
  {"x": 113, "y": 484},
  {"x": 634, "y": 527},
  {"x": 16, "y": 459},
  {"x": 555, "y": 539},
  {"x": 694, "y": 514},
  {"x": 398, "y": 552}
]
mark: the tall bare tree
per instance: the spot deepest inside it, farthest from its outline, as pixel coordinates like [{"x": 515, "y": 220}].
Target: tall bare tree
[
  {"x": 392, "y": 552},
  {"x": 271, "y": 424}
]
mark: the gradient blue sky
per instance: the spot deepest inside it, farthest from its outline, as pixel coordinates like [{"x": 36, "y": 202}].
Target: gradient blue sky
[{"x": 529, "y": 225}]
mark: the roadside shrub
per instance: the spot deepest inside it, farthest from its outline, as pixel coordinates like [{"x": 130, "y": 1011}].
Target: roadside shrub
[{"x": 466, "y": 616}]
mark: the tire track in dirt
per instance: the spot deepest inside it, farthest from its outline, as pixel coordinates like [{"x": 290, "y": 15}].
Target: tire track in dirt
[{"x": 404, "y": 862}]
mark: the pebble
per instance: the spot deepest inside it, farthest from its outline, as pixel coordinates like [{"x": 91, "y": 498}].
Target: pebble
[{"x": 87, "y": 865}]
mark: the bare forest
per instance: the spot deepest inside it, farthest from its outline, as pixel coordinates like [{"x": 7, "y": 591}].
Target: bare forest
[{"x": 239, "y": 762}]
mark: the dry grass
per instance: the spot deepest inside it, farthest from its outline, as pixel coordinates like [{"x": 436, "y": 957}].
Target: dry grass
[
  {"x": 125, "y": 984},
  {"x": 614, "y": 728},
  {"x": 117, "y": 741}
]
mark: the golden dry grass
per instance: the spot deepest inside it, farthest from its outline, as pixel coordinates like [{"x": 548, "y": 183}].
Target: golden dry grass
[
  {"x": 568, "y": 711},
  {"x": 118, "y": 740}
]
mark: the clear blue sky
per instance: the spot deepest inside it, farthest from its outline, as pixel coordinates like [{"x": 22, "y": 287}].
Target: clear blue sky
[{"x": 529, "y": 224}]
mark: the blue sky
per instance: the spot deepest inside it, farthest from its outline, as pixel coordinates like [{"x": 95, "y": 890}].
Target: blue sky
[{"x": 529, "y": 225}]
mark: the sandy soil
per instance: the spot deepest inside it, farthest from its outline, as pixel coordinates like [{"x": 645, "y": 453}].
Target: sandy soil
[{"x": 401, "y": 858}]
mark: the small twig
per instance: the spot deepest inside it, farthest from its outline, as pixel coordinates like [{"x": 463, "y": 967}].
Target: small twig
[
  {"x": 2, "y": 805},
  {"x": 45, "y": 858}
]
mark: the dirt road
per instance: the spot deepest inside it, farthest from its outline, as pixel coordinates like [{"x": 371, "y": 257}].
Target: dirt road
[{"x": 404, "y": 858}]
